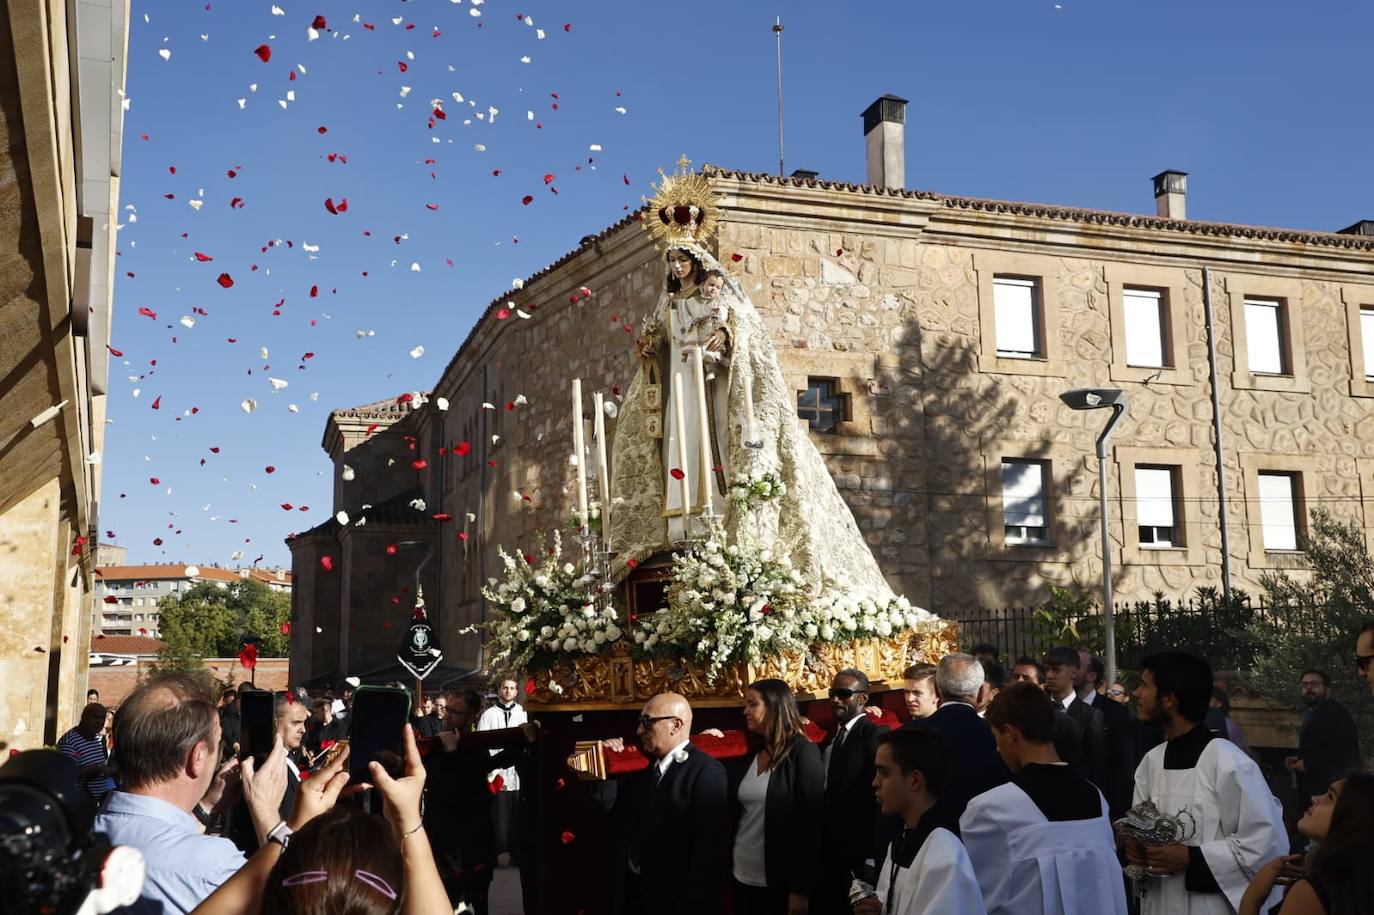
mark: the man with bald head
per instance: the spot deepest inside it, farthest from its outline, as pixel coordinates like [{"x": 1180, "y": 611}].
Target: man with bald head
[{"x": 674, "y": 816}]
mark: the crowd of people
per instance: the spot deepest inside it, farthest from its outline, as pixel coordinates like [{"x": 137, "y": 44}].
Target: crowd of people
[{"x": 997, "y": 794}]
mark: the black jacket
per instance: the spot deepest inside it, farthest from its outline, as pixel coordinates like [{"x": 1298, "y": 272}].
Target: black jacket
[
  {"x": 1329, "y": 746},
  {"x": 851, "y": 807},
  {"x": 976, "y": 766},
  {"x": 677, "y": 828},
  {"x": 1095, "y": 759},
  {"x": 794, "y": 812},
  {"x": 238, "y": 827},
  {"x": 1119, "y": 726}
]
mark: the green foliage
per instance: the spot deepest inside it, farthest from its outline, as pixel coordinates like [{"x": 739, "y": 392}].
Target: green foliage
[
  {"x": 1317, "y": 618},
  {"x": 209, "y": 621},
  {"x": 1063, "y": 620}
]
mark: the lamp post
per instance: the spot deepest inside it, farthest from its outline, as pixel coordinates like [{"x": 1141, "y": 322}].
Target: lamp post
[{"x": 1097, "y": 399}]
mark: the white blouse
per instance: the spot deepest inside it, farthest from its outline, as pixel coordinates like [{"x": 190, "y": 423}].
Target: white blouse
[{"x": 753, "y": 795}]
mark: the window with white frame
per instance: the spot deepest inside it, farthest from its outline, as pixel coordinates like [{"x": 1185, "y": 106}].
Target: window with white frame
[
  {"x": 1143, "y": 312},
  {"x": 1156, "y": 497},
  {"x": 1278, "y": 504},
  {"x": 1367, "y": 340},
  {"x": 1016, "y": 305},
  {"x": 1265, "y": 326},
  {"x": 1025, "y": 503}
]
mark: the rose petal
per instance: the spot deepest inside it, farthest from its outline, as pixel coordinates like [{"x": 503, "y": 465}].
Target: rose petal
[{"x": 264, "y": 53}]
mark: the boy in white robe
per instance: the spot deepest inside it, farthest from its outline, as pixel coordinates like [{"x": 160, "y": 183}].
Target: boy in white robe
[
  {"x": 926, "y": 869},
  {"x": 1041, "y": 843},
  {"x": 1238, "y": 821}
]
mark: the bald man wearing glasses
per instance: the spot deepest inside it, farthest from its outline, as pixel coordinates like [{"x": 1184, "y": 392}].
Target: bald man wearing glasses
[{"x": 674, "y": 816}]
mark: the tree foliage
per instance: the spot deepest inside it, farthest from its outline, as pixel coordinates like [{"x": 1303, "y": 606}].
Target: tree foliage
[
  {"x": 210, "y": 621},
  {"x": 1318, "y": 616}
]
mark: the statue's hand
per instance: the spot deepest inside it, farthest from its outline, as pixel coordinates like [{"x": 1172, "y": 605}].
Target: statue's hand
[{"x": 716, "y": 343}]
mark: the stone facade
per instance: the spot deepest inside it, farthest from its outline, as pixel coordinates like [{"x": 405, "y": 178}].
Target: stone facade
[
  {"x": 889, "y": 294},
  {"x": 61, "y": 129}
]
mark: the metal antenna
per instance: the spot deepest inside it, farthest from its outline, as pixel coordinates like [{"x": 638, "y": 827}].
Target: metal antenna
[{"x": 777, "y": 30}]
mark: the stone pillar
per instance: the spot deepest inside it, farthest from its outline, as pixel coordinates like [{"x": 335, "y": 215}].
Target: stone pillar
[{"x": 30, "y": 536}]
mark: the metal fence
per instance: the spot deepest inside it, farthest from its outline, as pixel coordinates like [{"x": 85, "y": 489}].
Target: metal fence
[{"x": 1230, "y": 634}]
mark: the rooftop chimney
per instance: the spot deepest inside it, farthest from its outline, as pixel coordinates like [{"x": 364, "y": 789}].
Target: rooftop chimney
[
  {"x": 885, "y": 131},
  {"x": 1171, "y": 194},
  {"x": 1363, "y": 227}
]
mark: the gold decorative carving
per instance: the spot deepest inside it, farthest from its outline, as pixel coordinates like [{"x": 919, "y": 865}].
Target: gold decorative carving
[{"x": 615, "y": 679}]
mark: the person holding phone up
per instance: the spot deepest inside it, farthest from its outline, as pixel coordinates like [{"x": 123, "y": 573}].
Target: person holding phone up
[{"x": 288, "y": 717}]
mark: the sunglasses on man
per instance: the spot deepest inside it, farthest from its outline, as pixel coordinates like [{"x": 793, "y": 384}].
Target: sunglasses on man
[{"x": 839, "y": 692}]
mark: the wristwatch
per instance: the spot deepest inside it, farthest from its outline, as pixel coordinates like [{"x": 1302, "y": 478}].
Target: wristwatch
[{"x": 281, "y": 834}]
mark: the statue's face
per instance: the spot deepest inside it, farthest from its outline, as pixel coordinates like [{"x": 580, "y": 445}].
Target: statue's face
[{"x": 680, "y": 264}]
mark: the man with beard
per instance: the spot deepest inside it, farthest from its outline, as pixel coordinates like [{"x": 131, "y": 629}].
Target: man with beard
[
  {"x": 850, "y": 837},
  {"x": 1235, "y": 824},
  {"x": 1328, "y": 744}
]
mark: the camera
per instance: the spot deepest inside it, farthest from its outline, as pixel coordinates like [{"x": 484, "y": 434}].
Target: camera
[{"x": 51, "y": 860}]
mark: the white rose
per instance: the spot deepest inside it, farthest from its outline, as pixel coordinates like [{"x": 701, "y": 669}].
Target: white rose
[
  {"x": 523, "y": 635},
  {"x": 884, "y": 628},
  {"x": 613, "y": 632},
  {"x": 545, "y": 632},
  {"x": 811, "y": 630},
  {"x": 518, "y": 605},
  {"x": 599, "y": 637},
  {"x": 763, "y": 632},
  {"x": 570, "y": 644},
  {"x": 568, "y": 568},
  {"x": 541, "y": 580},
  {"x": 827, "y": 632}
]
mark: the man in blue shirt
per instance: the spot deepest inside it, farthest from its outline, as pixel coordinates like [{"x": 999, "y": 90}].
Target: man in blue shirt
[
  {"x": 166, "y": 750},
  {"x": 84, "y": 744}
]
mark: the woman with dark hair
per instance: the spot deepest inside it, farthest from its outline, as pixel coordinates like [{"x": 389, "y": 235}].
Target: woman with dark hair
[
  {"x": 779, "y": 799},
  {"x": 1339, "y": 876},
  {"x": 343, "y": 861}
]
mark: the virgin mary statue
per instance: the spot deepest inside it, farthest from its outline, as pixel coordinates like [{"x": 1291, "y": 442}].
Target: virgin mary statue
[{"x": 701, "y": 305}]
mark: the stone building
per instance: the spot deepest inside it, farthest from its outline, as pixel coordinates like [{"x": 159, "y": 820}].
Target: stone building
[
  {"x": 928, "y": 338},
  {"x": 61, "y": 130}
]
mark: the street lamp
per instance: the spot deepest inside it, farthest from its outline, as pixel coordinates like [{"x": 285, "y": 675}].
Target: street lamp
[{"x": 1097, "y": 399}]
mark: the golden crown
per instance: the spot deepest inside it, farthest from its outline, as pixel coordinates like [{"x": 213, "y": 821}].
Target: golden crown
[{"x": 683, "y": 210}]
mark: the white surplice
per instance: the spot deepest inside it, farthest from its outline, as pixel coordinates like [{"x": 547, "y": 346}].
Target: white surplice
[
  {"x": 939, "y": 880},
  {"x": 494, "y": 718},
  {"x": 1027, "y": 864},
  {"x": 1239, "y": 826}
]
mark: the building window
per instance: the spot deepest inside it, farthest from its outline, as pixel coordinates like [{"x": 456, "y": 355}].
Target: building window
[
  {"x": 1265, "y": 331},
  {"x": 1025, "y": 508},
  {"x": 1279, "y": 498},
  {"x": 1016, "y": 317},
  {"x": 822, "y": 405},
  {"x": 1146, "y": 339},
  {"x": 1367, "y": 341},
  {"x": 1156, "y": 497}
]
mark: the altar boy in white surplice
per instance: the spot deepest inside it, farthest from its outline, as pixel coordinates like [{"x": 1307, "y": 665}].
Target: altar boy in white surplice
[
  {"x": 1239, "y": 823},
  {"x": 1041, "y": 843},
  {"x": 926, "y": 869}
]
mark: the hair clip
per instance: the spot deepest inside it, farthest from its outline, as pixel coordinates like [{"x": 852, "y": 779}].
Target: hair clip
[
  {"x": 305, "y": 877},
  {"x": 377, "y": 883}
]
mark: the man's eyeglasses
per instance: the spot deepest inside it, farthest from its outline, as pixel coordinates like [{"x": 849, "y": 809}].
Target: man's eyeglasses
[
  {"x": 1362, "y": 661},
  {"x": 1116, "y": 692},
  {"x": 839, "y": 692},
  {"x": 646, "y": 721}
]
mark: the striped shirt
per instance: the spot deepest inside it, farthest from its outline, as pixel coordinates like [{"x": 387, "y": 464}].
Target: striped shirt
[{"x": 88, "y": 752}]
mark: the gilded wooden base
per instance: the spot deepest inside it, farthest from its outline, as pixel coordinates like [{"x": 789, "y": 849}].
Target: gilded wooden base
[{"x": 616, "y": 680}]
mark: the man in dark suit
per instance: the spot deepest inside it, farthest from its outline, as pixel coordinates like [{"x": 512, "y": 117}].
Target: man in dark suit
[
  {"x": 1118, "y": 729},
  {"x": 978, "y": 766},
  {"x": 850, "y": 841},
  {"x": 1328, "y": 744},
  {"x": 674, "y": 815},
  {"x": 1061, "y": 670}
]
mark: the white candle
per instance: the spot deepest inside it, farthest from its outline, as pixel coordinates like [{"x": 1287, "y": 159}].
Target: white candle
[
  {"x": 749, "y": 430},
  {"x": 681, "y": 449},
  {"x": 603, "y": 468},
  {"x": 580, "y": 450},
  {"x": 704, "y": 424}
]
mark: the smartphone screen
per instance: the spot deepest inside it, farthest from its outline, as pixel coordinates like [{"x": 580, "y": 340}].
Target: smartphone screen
[
  {"x": 256, "y": 724},
  {"x": 375, "y": 731}
]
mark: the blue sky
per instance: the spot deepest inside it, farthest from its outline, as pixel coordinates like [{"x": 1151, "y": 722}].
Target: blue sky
[{"x": 1078, "y": 103}]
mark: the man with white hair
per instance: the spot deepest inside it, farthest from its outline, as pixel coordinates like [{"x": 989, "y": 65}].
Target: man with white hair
[{"x": 978, "y": 766}]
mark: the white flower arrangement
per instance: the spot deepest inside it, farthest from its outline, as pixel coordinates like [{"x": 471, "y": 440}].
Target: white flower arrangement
[
  {"x": 757, "y": 485},
  {"x": 593, "y": 520},
  {"x": 541, "y": 612},
  {"x": 844, "y": 618},
  {"x": 727, "y": 605}
]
